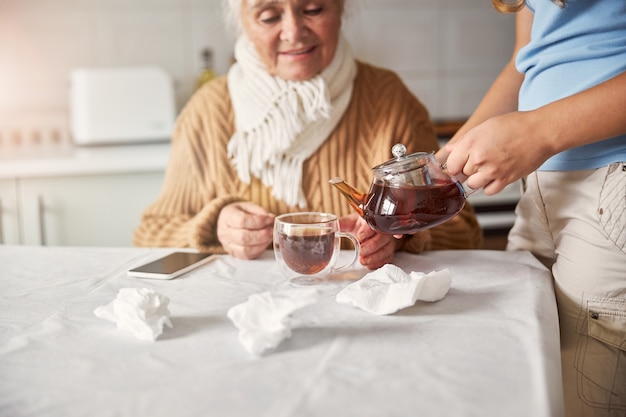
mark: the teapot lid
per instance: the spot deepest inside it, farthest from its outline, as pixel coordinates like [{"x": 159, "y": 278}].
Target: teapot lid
[{"x": 403, "y": 162}]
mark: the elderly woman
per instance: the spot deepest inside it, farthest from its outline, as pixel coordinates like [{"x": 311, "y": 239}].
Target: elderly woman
[{"x": 295, "y": 110}]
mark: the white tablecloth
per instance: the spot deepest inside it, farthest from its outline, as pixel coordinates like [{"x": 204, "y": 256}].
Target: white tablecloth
[{"x": 489, "y": 348}]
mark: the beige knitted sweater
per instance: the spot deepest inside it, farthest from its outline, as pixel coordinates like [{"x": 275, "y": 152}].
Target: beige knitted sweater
[{"x": 200, "y": 178}]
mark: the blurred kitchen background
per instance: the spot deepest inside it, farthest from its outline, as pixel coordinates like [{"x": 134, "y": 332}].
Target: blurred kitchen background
[{"x": 55, "y": 192}]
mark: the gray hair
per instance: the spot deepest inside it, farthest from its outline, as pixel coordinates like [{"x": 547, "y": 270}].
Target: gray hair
[
  {"x": 512, "y": 6},
  {"x": 232, "y": 12}
]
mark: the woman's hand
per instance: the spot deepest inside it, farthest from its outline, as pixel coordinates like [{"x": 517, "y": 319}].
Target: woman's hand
[
  {"x": 245, "y": 229},
  {"x": 499, "y": 151},
  {"x": 376, "y": 249}
]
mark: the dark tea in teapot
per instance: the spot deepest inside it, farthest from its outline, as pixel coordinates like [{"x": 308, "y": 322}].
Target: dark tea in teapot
[{"x": 405, "y": 209}]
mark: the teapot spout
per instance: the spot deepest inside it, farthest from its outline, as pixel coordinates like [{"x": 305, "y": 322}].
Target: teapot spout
[{"x": 356, "y": 199}]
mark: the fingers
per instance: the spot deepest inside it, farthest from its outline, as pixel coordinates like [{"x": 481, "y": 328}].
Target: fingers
[
  {"x": 249, "y": 237},
  {"x": 442, "y": 155},
  {"x": 242, "y": 246},
  {"x": 377, "y": 250},
  {"x": 494, "y": 187},
  {"x": 457, "y": 158},
  {"x": 245, "y": 244},
  {"x": 477, "y": 180},
  {"x": 363, "y": 231},
  {"x": 245, "y": 230},
  {"x": 247, "y": 215},
  {"x": 351, "y": 223}
]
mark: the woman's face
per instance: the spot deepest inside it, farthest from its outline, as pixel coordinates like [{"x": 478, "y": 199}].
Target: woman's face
[{"x": 296, "y": 39}]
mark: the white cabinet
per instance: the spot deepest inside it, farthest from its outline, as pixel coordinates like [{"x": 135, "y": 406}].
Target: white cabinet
[
  {"x": 87, "y": 210},
  {"x": 9, "y": 213},
  {"x": 59, "y": 194}
]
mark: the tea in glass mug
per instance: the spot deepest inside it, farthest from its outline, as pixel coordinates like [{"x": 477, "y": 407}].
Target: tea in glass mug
[{"x": 307, "y": 246}]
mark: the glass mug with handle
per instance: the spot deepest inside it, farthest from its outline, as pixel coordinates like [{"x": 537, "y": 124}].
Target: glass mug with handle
[{"x": 307, "y": 246}]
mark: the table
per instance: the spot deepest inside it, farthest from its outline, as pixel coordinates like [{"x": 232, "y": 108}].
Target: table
[{"x": 489, "y": 348}]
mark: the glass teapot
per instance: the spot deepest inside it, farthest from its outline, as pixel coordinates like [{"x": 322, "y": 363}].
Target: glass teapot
[{"x": 408, "y": 193}]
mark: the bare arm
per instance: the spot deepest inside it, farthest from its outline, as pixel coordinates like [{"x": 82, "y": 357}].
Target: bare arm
[
  {"x": 590, "y": 116},
  {"x": 498, "y": 145},
  {"x": 502, "y": 95}
]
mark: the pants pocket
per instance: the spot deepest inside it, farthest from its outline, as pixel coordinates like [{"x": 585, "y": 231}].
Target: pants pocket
[
  {"x": 612, "y": 205},
  {"x": 601, "y": 353}
]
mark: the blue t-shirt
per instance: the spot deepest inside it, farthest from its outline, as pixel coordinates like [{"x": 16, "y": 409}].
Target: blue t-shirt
[{"x": 571, "y": 50}]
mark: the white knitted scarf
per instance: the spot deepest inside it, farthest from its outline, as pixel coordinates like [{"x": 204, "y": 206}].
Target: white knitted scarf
[{"x": 280, "y": 123}]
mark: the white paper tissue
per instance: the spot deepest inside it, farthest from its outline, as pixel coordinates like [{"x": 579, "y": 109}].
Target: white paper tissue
[
  {"x": 389, "y": 289},
  {"x": 141, "y": 311},
  {"x": 263, "y": 320}
]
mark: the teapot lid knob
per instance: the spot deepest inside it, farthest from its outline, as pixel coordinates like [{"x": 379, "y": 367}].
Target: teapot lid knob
[{"x": 398, "y": 150}]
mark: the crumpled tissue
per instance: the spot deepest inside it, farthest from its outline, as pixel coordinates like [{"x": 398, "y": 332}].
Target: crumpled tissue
[
  {"x": 264, "y": 319},
  {"x": 389, "y": 289},
  {"x": 141, "y": 311}
]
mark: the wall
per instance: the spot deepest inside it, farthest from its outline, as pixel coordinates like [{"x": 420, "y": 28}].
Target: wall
[{"x": 447, "y": 51}]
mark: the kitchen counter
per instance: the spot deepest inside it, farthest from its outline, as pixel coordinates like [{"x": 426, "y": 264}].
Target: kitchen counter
[
  {"x": 66, "y": 159},
  {"x": 55, "y": 193}
]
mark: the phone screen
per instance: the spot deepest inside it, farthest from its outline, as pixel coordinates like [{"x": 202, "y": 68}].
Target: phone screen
[{"x": 170, "y": 265}]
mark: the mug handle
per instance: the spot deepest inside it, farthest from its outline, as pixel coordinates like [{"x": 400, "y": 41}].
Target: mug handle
[{"x": 357, "y": 250}]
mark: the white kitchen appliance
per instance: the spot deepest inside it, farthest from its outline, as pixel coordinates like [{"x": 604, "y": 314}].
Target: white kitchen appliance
[{"x": 121, "y": 105}]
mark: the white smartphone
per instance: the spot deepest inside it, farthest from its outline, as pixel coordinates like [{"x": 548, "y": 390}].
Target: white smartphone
[{"x": 171, "y": 266}]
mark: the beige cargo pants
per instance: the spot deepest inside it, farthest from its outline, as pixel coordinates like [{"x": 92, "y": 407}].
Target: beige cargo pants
[{"x": 575, "y": 222}]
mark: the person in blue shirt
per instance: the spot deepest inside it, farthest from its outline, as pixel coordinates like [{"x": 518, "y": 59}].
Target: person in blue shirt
[{"x": 556, "y": 119}]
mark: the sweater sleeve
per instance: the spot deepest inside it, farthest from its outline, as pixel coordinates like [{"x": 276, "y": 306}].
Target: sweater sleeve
[{"x": 186, "y": 210}]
